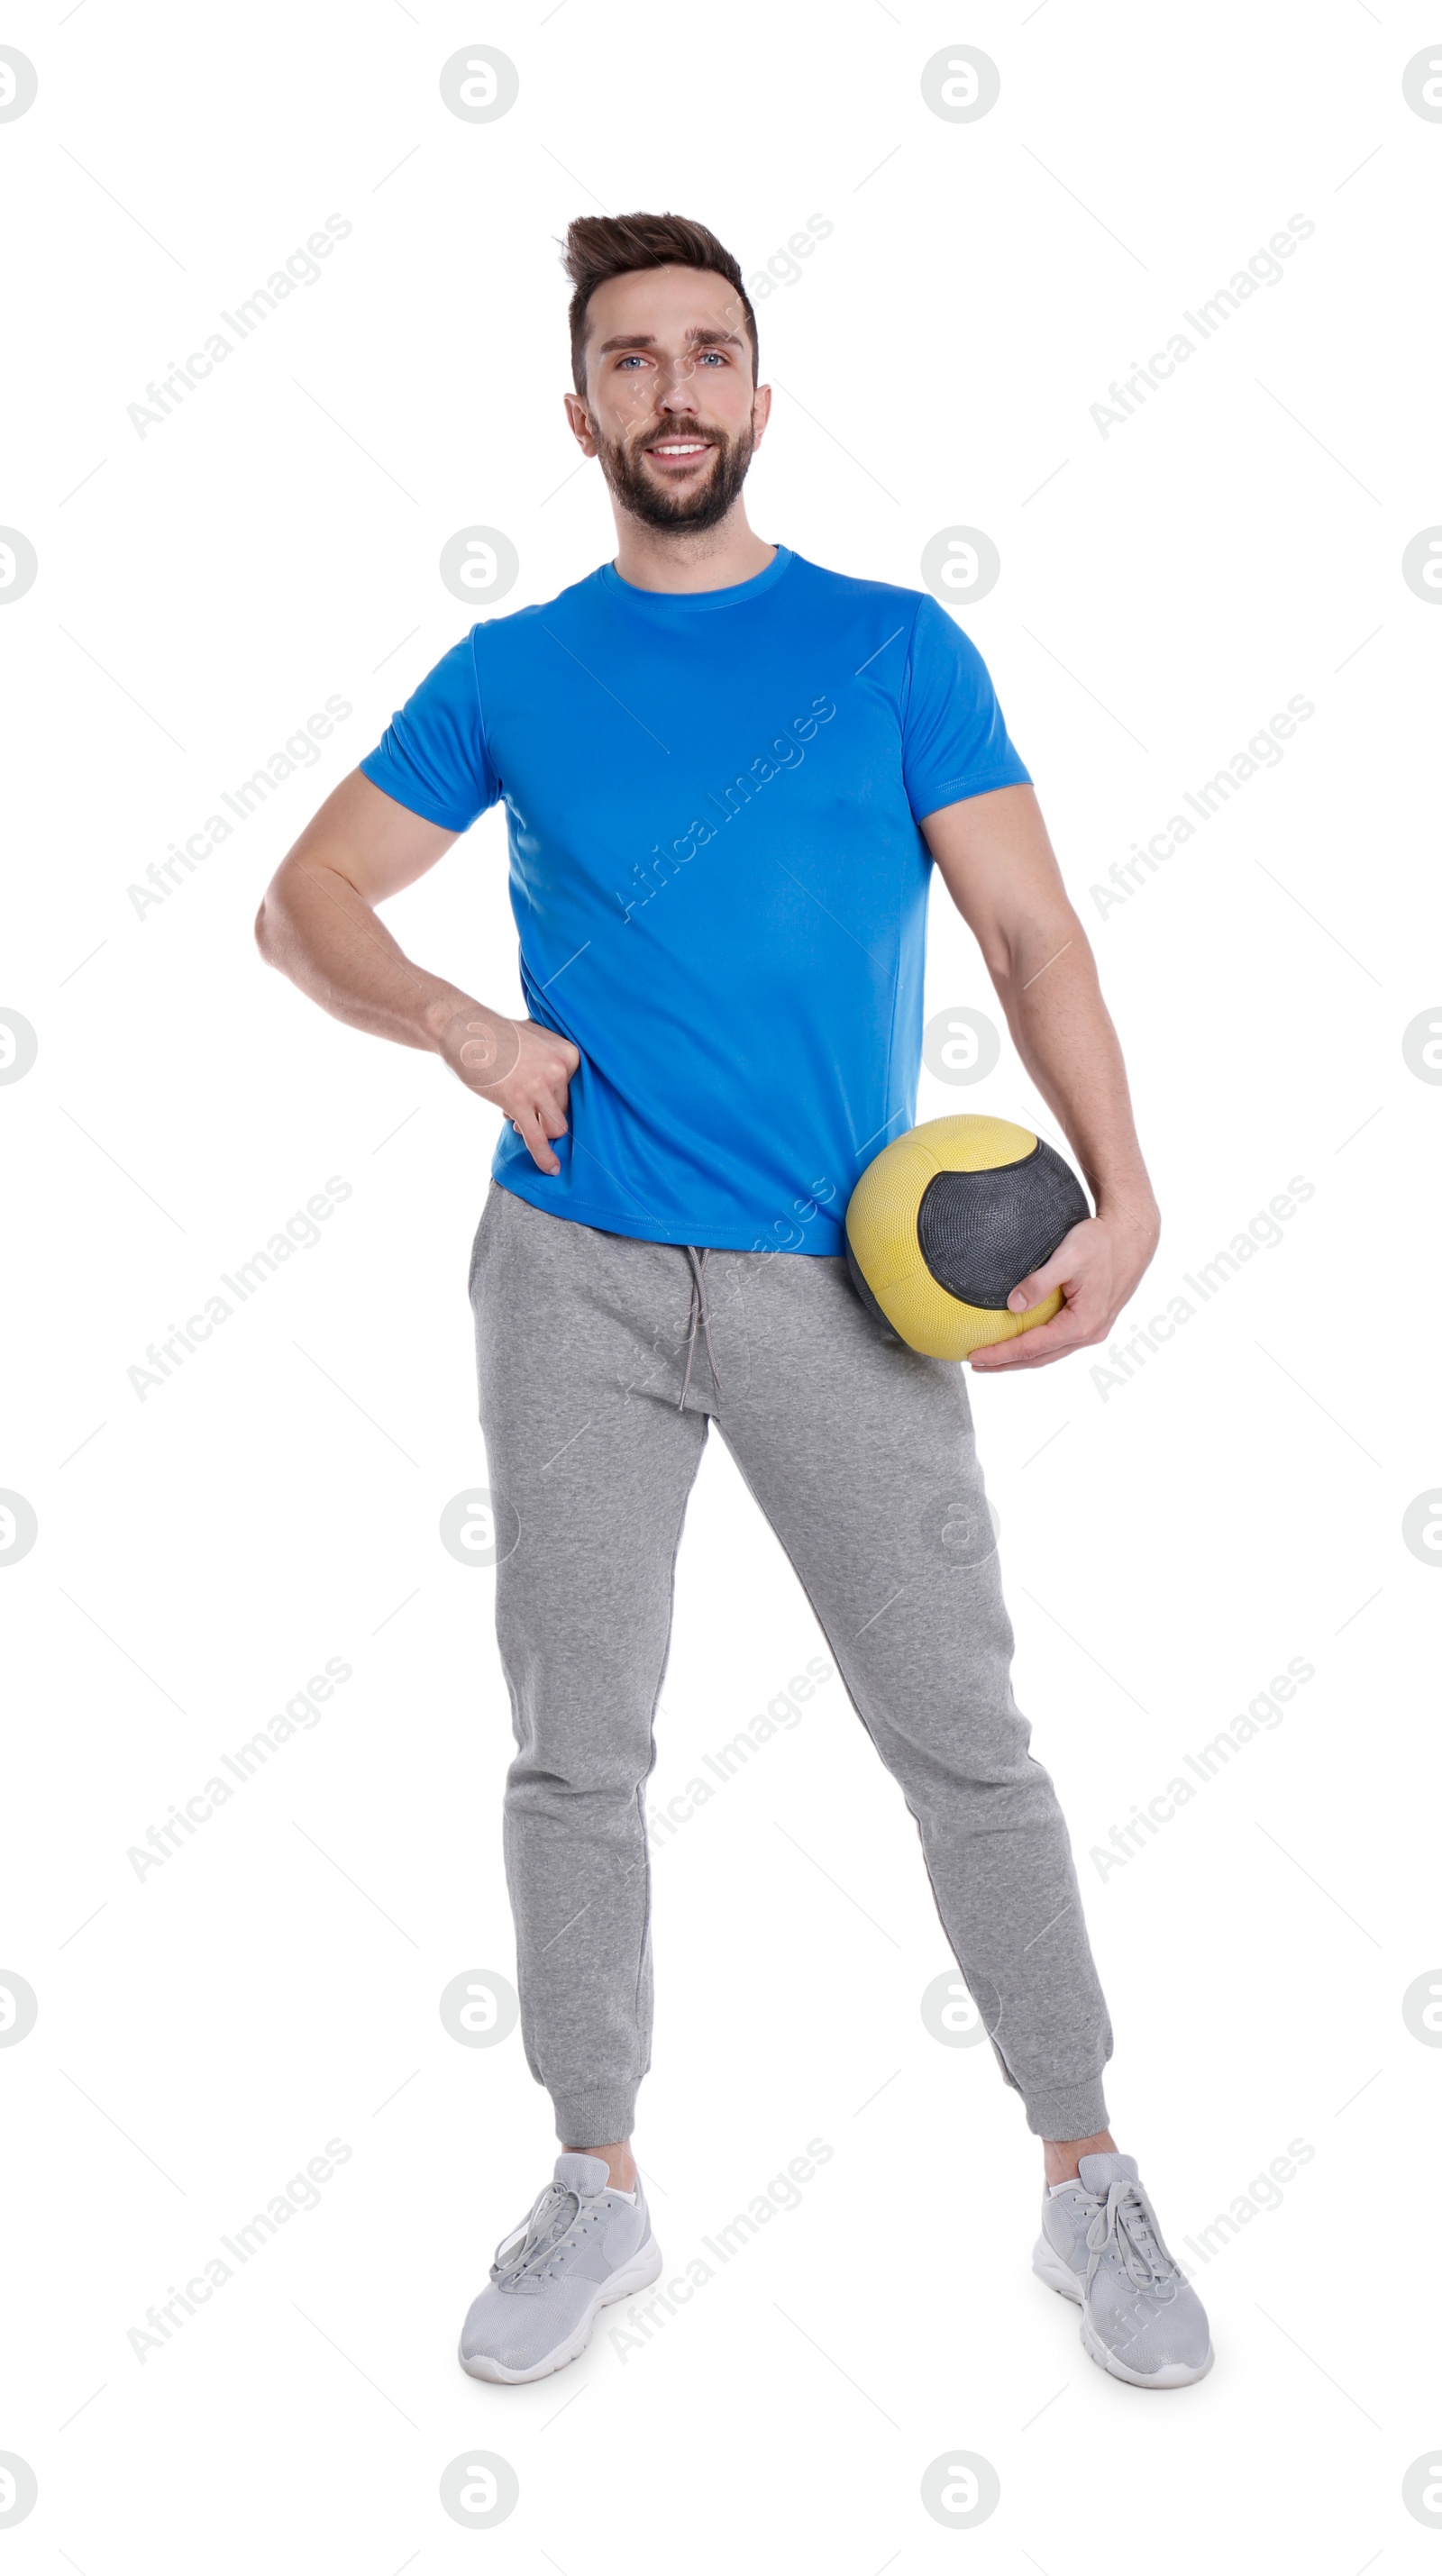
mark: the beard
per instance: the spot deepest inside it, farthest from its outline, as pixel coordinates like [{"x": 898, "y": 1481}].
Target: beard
[{"x": 654, "y": 503}]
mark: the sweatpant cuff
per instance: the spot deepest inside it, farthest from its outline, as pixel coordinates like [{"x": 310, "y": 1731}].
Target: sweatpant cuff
[
  {"x": 596, "y": 2119},
  {"x": 1078, "y": 2112}
]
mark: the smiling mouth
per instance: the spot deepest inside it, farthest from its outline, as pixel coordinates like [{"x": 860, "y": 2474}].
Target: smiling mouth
[{"x": 679, "y": 451}]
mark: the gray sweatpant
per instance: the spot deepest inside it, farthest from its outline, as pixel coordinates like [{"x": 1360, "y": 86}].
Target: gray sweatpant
[{"x": 601, "y": 1360}]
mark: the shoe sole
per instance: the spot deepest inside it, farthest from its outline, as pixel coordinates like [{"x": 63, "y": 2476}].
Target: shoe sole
[
  {"x": 638, "y": 2274},
  {"x": 1058, "y": 2276}
]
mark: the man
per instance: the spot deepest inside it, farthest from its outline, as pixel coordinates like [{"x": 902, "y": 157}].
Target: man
[{"x": 727, "y": 774}]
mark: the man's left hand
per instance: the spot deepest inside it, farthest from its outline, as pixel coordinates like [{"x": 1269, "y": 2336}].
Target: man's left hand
[{"x": 1097, "y": 1266}]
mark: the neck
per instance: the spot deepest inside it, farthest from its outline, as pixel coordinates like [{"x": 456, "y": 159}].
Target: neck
[{"x": 690, "y": 558}]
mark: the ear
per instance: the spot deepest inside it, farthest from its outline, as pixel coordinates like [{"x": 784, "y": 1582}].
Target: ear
[{"x": 582, "y": 426}]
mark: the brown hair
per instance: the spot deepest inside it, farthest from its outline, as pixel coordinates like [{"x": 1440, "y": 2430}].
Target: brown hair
[{"x": 601, "y": 246}]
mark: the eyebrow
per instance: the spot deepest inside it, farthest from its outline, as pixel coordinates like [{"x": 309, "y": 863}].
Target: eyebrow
[{"x": 696, "y": 337}]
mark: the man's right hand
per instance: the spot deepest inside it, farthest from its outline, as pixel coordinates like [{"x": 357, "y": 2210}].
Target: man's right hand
[{"x": 524, "y": 1068}]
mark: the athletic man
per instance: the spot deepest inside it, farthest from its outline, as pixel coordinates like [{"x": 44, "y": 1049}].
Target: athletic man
[{"x": 727, "y": 774}]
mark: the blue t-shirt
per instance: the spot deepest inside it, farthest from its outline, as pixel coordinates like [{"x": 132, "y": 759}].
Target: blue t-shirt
[{"x": 717, "y": 875}]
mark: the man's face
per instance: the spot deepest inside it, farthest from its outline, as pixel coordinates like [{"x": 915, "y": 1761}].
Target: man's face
[{"x": 670, "y": 408}]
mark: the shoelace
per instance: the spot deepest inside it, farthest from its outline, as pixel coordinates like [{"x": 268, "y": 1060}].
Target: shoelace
[
  {"x": 698, "y": 1316},
  {"x": 531, "y": 2245},
  {"x": 1127, "y": 2222}
]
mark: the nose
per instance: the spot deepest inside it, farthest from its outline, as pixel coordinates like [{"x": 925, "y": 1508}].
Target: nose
[{"x": 673, "y": 386}]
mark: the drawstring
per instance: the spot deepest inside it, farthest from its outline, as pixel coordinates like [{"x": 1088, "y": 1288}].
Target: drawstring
[{"x": 698, "y": 1318}]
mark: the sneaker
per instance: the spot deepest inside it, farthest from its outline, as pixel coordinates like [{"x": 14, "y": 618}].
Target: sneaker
[
  {"x": 582, "y": 2246},
  {"x": 1100, "y": 2245}
]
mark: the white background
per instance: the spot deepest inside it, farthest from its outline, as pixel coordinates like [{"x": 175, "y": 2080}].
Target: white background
[{"x": 1168, "y": 1545}]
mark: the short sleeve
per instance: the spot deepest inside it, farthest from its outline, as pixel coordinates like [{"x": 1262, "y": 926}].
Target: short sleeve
[
  {"x": 954, "y": 737},
  {"x": 433, "y": 756}
]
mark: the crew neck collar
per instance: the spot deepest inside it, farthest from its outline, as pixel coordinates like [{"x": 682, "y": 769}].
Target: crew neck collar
[{"x": 691, "y": 603}]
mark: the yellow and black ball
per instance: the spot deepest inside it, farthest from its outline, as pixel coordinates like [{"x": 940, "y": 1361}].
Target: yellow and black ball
[{"x": 943, "y": 1224}]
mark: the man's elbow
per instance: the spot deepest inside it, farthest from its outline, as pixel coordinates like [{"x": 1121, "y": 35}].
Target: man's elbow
[{"x": 267, "y": 928}]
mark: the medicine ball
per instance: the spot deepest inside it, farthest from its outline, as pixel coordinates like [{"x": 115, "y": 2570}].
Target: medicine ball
[{"x": 943, "y": 1224}]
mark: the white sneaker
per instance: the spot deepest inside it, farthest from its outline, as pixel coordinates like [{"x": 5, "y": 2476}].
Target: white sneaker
[
  {"x": 581, "y": 2246},
  {"x": 1100, "y": 2245}
]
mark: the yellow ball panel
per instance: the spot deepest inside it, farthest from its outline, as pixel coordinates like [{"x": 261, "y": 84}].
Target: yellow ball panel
[
  {"x": 931, "y": 1320},
  {"x": 967, "y": 1142},
  {"x": 881, "y": 1215}
]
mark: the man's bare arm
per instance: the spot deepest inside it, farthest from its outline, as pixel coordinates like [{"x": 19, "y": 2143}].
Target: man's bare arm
[
  {"x": 1000, "y": 870},
  {"x": 317, "y": 923}
]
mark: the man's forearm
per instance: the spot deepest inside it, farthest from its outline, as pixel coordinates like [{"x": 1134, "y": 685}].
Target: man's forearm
[
  {"x": 314, "y": 927},
  {"x": 1064, "y": 1035},
  {"x": 996, "y": 860},
  {"x": 317, "y": 924}
]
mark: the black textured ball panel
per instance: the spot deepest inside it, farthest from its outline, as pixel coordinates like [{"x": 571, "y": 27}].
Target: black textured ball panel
[
  {"x": 980, "y": 1232},
  {"x": 862, "y": 1286}
]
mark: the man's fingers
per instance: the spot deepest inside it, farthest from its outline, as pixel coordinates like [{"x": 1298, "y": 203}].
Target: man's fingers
[
  {"x": 527, "y": 1070},
  {"x": 1029, "y": 1350},
  {"x": 1065, "y": 1264},
  {"x": 1029, "y": 1347},
  {"x": 530, "y": 1128},
  {"x": 1034, "y": 1287},
  {"x": 547, "y": 1112},
  {"x": 1067, "y": 1331}
]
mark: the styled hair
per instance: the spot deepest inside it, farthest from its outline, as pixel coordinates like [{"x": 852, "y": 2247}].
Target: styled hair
[{"x": 598, "y": 247}]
